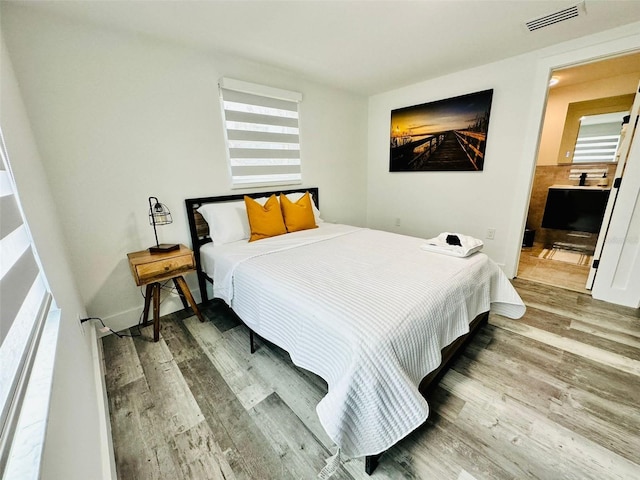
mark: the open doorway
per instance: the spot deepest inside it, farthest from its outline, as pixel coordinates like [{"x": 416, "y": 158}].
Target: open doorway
[{"x": 557, "y": 249}]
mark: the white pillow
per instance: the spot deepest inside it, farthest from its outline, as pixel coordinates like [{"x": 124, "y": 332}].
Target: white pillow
[
  {"x": 227, "y": 221},
  {"x": 295, "y": 196}
]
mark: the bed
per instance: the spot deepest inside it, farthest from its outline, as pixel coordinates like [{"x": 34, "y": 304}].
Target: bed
[{"x": 373, "y": 314}]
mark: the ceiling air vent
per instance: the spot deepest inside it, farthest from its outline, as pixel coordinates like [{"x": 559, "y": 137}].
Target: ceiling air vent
[{"x": 556, "y": 17}]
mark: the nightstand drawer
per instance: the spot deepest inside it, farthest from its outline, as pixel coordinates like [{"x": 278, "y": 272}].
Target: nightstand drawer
[{"x": 159, "y": 267}]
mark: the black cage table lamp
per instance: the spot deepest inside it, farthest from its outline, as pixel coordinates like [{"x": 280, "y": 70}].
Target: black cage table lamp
[{"x": 159, "y": 214}]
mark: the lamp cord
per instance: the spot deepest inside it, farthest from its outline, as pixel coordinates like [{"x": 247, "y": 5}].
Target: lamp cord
[
  {"x": 122, "y": 335},
  {"x": 117, "y": 334}
]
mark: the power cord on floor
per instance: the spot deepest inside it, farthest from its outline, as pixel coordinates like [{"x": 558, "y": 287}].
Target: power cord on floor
[
  {"x": 140, "y": 321},
  {"x": 108, "y": 329}
]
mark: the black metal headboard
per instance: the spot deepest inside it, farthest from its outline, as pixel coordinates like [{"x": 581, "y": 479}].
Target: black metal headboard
[{"x": 199, "y": 229}]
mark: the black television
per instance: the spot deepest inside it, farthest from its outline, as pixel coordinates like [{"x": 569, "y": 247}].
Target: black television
[{"x": 575, "y": 209}]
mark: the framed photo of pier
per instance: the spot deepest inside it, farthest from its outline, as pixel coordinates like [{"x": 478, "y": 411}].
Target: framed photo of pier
[{"x": 445, "y": 135}]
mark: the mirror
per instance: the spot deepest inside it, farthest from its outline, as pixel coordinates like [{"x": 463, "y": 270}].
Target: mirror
[{"x": 593, "y": 112}]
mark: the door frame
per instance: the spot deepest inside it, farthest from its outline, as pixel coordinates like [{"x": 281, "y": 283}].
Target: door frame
[
  {"x": 623, "y": 154},
  {"x": 628, "y": 43}
]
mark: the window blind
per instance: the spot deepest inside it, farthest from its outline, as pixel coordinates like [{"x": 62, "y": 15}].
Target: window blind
[
  {"x": 598, "y": 138},
  {"x": 26, "y": 306},
  {"x": 596, "y": 148},
  {"x": 262, "y": 133}
]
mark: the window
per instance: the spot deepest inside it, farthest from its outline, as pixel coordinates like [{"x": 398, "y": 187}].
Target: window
[
  {"x": 262, "y": 134},
  {"x": 28, "y": 331}
]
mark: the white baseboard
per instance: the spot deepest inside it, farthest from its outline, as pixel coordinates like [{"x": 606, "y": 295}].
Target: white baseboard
[
  {"x": 104, "y": 422},
  {"x": 130, "y": 318}
]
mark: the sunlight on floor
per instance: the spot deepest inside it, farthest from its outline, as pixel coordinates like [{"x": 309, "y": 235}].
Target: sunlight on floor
[{"x": 557, "y": 272}]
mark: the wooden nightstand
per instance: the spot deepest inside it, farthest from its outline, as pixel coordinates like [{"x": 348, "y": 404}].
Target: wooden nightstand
[{"x": 152, "y": 268}]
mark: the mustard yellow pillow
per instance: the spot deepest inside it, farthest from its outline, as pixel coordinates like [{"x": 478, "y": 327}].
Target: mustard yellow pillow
[
  {"x": 264, "y": 221},
  {"x": 298, "y": 215}
]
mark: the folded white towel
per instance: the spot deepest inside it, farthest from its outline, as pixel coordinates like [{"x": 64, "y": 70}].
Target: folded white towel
[{"x": 468, "y": 245}]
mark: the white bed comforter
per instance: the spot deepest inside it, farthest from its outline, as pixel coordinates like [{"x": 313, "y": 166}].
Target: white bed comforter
[{"x": 368, "y": 311}]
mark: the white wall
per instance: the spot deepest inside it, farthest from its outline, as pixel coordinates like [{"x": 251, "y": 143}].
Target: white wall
[
  {"x": 73, "y": 439},
  {"x": 120, "y": 117},
  {"x": 428, "y": 203}
]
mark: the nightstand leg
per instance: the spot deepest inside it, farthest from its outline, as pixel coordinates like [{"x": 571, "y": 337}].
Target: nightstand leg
[
  {"x": 147, "y": 302},
  {"x": 182, "y": 285},
  {"x": 184, "y": 300},
  {"x": 156, "y": 312}
]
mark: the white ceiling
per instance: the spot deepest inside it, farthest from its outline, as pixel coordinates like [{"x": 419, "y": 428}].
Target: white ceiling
[{"x": 361, "y": 46}]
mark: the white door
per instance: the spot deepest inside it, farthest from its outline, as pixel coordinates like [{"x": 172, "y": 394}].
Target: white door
[
  {"x": 618, "y": 274},
  {"x": 623, "y": 153}
]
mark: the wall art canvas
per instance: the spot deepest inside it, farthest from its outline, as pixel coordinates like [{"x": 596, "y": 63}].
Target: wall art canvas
[{"x": 446, "y": 135}]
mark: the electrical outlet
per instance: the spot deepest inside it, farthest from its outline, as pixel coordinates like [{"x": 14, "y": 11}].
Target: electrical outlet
[
  {"x": 397, "y": 223},
  {"x": 491, "y": 233},
  {"x": 80, "y": 323}
]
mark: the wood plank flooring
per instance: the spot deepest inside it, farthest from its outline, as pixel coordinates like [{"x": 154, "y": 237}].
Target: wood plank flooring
[{"x": 553, "y": 395}]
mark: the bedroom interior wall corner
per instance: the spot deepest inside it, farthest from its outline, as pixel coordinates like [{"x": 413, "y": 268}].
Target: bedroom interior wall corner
[
  {"x": 478, "y": 199},
  {"x": 73, "y": 430},
  {"x": 142, "y": 117}
]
